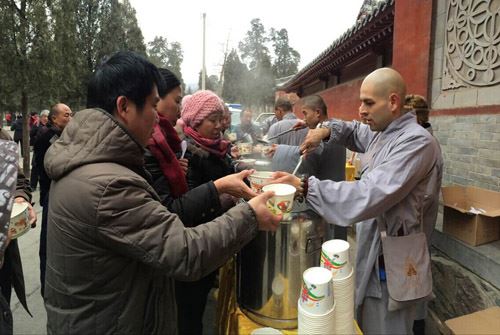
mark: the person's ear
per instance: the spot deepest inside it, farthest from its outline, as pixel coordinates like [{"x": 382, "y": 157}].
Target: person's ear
[
  {"x": 121, "y": 107},
  {"x": 394, "y": 102}
]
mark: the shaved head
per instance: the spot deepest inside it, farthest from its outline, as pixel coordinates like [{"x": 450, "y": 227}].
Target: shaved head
[
  {"x": 387, "y": 81},
  {"x": 382, "y": 95}
]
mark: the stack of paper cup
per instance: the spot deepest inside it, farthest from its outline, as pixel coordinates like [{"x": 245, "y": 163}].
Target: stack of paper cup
[
  {"x": 316, "y": 306},
  {"x": 344, "y": 299},
  {"x": 335, "y": 257}
]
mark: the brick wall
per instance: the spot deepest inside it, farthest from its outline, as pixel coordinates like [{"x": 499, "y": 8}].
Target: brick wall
[{"x": 471, "y": 149}]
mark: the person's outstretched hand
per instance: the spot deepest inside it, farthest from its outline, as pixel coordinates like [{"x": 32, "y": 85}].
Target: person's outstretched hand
[
  {"x": 313, "y": 139},
  {"x": 280, "y": 177},
  {"x": 234, "y": 185},
  {"x": 266, "y": 220}
]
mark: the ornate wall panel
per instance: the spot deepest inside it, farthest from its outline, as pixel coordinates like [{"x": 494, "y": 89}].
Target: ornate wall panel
[{"x": 472, "y": 44}]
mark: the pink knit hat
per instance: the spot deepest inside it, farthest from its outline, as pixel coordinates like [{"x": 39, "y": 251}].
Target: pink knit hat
[{"x": 199, "y": 106}]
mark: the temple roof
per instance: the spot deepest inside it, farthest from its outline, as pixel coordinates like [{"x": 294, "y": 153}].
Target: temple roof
[{"x": 375, "y": 22}]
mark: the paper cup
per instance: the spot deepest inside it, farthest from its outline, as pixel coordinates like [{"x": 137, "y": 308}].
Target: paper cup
[
  {"x": 316, "y": 324},
  {"x": 282, "y": 201},
  {"x": 266, "y": 331},
  {"x": 19, "y": 219},
  {"x": 259, "y": 180},
  {"x": 316, "y": 296},
  {"x": 335, "y": 257}
]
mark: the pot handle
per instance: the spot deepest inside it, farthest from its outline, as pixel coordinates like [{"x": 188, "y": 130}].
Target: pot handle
[{"x": 313, "y": 244}]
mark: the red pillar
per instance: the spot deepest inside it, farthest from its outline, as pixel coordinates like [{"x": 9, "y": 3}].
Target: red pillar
[{"x": 411, "y": 50}]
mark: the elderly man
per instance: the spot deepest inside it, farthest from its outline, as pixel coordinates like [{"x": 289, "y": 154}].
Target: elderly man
[
  {"x": 58, "y": 117},
  {"x": 286, "y": 120},
  {"x": 113, "y": 249},
  {"x": 246, "y": 131},
  {"x": 395, "y": 200}
]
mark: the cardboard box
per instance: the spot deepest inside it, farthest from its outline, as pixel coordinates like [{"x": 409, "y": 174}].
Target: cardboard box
[
  {"x": 471, "y": 214},
  {"x": 483, "y": 322}
]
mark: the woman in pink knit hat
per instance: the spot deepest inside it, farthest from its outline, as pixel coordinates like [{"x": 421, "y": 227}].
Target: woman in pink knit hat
[{"x": 209, "y": 159}]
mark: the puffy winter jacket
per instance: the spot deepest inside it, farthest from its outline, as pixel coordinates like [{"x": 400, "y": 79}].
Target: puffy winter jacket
[{"x": 113, "y": 248}]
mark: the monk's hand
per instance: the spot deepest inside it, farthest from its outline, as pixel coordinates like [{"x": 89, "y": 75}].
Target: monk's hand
[
  {"x": 271, "y": 151},
  {"x": 301, "y": 124},
  {"x": 266, "y": 220},
  {"x": 31, "y": 211},
  {"x": 234, "y": 184},
  {"x": 281, "y": 177},
  {"x": 313, "y": 140}
]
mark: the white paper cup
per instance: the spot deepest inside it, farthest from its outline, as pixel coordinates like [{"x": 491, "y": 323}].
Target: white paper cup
[
  {"x": 335, "y": 257},
  {"x": 282, "y": 201},
  {"x": 19, "y": 220},
  {"x": 316, "y": 324},
  {"x": 259, "y": 179},
  {"x": 266, "y": 331},
  {"x": 316, "y": 296}
]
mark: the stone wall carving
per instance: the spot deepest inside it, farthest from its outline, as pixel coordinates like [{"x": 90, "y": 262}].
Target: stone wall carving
[{"x": 472, "y": 44}]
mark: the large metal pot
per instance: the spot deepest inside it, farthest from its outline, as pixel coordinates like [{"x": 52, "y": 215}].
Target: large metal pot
[{"x": 270, "y": 269}]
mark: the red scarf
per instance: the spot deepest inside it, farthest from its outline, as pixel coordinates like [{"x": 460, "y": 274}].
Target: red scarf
[
  {"x": 163, "y": 144},
  {"x": 218, "y": 147}
]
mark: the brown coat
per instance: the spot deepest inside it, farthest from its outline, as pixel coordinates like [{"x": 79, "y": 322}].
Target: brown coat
[{"x": 113, "y": 249}]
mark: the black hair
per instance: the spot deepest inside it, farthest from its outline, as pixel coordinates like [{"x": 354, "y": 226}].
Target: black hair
[
  {"x": 283, "y": 104},
  {"x": 170, "y": 81},
  {"x": 245, "y": 110},
  {"x": 127, "y": 74},
  {"x": 315, "y": 102}
]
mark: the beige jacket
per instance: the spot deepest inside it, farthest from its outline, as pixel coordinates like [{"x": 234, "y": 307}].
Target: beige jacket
[{"x": 113, "y": 249}]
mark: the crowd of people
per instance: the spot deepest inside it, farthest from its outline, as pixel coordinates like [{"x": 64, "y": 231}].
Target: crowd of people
[{"x": 140, "y": 198}]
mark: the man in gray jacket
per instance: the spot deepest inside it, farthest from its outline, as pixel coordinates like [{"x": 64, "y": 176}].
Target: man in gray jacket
[
  {"x": 113, "y": 249},
  {"x": 399, "y": 189}
]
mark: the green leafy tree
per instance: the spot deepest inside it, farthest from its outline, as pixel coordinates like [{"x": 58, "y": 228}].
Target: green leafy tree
[
  {"x": 22, "y": 33},
  {"x": 175, "y": 57},
  {"x": 134, "y": 40},
  {"x": 167, "y": 55},
  {"x": 119, "y": 30},
  {"x": 235, "y": 75},
  {"x": 211, "y": 82},
  {"x": 286, "y": 59},
  {"x": 90, "y": 18},
  {"x": 260, "y": 82},
  {"x": 70, "y": 68},
  {"x": 253, "y": 48},
  {"x": 158, "y": 51}
]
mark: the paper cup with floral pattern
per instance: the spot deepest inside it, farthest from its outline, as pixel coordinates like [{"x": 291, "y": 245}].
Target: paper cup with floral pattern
[
  {"x": 335, "y": 257},
  {"x": 260, "y": 179},
  {"x": 282, "y": 201},
  {"x": 316, "y": 296},
  {"x": 19, "y": 219}
]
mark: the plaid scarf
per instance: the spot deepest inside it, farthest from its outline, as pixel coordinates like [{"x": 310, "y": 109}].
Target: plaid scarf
[
  {"x": 218, "y": 147},
  {"x": 163, "y": 144}
]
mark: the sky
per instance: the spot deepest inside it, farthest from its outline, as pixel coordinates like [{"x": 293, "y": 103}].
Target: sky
[{"x": 312, "y": 26}]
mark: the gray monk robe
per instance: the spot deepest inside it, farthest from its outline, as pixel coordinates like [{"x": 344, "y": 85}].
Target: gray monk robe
[{"x": 401, "y": 182}]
